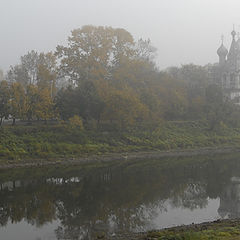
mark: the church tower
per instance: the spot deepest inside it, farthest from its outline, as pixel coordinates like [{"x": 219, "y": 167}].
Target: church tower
[
  {"x": 229, "y": 69},
  {"x": 222, "y": 54}
]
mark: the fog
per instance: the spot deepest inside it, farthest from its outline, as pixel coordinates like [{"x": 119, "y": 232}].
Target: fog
[{"x": 183, "y": 31}]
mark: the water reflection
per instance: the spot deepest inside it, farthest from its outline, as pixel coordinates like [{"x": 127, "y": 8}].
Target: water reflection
[
  {"x": 80, "y": 202},
  {"x": 230, "y": 199}
]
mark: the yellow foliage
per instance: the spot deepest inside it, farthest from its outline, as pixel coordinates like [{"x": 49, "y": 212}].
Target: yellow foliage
[
  {"x": 123, "y": 106},
  {"x": 44, "y": 107},
  {"x": 17, "y": 101},
  {"x": 76, "y": 122}
]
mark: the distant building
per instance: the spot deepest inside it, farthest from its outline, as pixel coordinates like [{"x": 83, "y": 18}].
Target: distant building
[{"x": 228, "y": 75}]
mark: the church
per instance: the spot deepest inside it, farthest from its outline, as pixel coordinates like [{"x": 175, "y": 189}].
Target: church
[{"x": 229, "y": 69}]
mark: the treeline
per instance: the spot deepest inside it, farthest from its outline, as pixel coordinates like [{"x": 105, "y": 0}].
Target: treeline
[{"x": 104, "y": 76}]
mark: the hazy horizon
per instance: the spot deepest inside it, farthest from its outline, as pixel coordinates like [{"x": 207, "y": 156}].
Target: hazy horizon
[{"x": 183, "y": 31}]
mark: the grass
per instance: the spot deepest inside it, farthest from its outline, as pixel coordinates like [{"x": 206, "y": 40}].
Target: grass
[
  {"x": 220, "y": 230},
  {"x": 59, "y": 141}
]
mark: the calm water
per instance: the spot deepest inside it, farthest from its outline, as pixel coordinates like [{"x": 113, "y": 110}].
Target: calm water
[{"x": 81, "y": 201}]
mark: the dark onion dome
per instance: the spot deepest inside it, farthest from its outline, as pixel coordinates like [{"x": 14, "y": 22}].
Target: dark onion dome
[{"x": 222, "y": 51}]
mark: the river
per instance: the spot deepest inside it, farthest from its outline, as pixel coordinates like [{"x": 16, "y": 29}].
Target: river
[{"x": 83, "y": 201}]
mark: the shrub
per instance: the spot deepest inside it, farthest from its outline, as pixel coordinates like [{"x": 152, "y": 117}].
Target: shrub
[{"x": 76, "y": 122}]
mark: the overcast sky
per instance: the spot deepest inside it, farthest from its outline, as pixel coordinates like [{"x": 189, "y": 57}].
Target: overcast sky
[{"x": 183, "y": 31}]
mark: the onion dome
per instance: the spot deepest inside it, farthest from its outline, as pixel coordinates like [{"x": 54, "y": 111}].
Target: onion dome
[{"x": 222, "y": 51}]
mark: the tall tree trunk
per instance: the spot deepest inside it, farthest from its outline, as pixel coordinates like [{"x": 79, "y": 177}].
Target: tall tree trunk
[{"x": 1, "y": 120}]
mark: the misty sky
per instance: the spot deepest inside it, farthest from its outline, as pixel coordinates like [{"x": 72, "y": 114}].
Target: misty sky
[{"x": 183, "y": 31}]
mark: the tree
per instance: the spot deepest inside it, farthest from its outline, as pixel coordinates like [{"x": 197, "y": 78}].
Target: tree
[
  {"x": 18, "y": 74},
  {"x": 29, "y": 63},
  {"x": 92, "y": 52},
  {"x": 47, "y": 72},
  {"x": 145, "y": 50},
  {"x": 17, "y": 101},
  {"x": 4, "y": 100},
  {"x": 44, "y": 107},
  {"x": 123, "y": 107},
  {"x": 2, "y": 78},
  {"x": 83, "y": 101},
  {"x": 217, "y": 109},
  {"x": 67, "y": 103},
  {"x": 32, "y": 100},
  {"x": 90, "y": 103},
  {"x": 35, "y": 68}
]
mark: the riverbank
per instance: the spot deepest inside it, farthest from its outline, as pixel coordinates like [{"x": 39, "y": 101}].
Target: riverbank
[
  {"x": 120, "y": 157},
  {"x": 39, "y": 144},
  {"x": 218, "y": 230}
]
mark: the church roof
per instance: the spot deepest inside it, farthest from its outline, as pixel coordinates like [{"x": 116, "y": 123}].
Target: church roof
[
  {"x": 234, "y": 53},
  {"x": 234, "y": 48},
  {"x": 222, "y": 51}
]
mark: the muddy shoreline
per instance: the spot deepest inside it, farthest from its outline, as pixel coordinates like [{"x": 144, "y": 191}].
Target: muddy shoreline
[{"x": 142, "y": 155}]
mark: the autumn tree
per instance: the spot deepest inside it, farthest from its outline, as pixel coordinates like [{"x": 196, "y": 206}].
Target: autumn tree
[
  {"x": 32, "y": 100},
  {"x": 35, "y": 69},
  {"x": 195, "y": 80},
  {"x": 47, "y": 72},
  {"x": 44, "y": 108},
  {"x": 17, "y": 101},
  {"x": 123, "y": 107},
  {"x": 4, "y": 100},
  {"x": 2, "y": 77},
  {"x": 92, "y": 52},
  {"x": 105, "y": 64}
]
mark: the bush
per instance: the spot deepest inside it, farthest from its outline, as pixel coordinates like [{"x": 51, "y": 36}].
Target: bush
[{"x": 76, "y": 122}]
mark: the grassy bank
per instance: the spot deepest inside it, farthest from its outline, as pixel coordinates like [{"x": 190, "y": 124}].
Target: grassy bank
[
  {"x": 60, "y": 141},
  {"x": 218, "y": 230}
]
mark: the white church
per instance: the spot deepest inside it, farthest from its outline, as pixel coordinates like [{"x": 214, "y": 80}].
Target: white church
[{"x": 229, "y": 69}]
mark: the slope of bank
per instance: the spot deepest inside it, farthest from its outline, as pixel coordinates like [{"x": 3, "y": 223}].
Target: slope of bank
[
  {"x": 217, "y": 230},
  {"x": 23, "y": 143}
]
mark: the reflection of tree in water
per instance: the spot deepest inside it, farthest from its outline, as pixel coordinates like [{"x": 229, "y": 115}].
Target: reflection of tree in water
[
  {"x": 230, "y": 199},
  {"x": 192, "y": 196},
  {"x": 114, "y": 198},
  {"x": 36, "y": 207}
]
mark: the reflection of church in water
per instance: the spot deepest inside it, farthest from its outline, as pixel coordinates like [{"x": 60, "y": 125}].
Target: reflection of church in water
[
  {"x": 229, "y": 69},
  {"x": 230, "y": 200}
]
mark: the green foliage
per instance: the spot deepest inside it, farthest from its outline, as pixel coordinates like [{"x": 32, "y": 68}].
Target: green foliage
[
  {"x": 4, "y": 100},
  {"x": 76, "y": 122},
  {"x": 110, "y": 78},
  {"x": 57, "y": 141},
  {"x": 213, "y": 233}
]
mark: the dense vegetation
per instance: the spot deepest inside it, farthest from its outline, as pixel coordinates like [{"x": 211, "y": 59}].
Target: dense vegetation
[
  {"x": 64, "y": 141},
  {"x": 104, "y": 93},
  {"x": 104, "y": 76}
]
